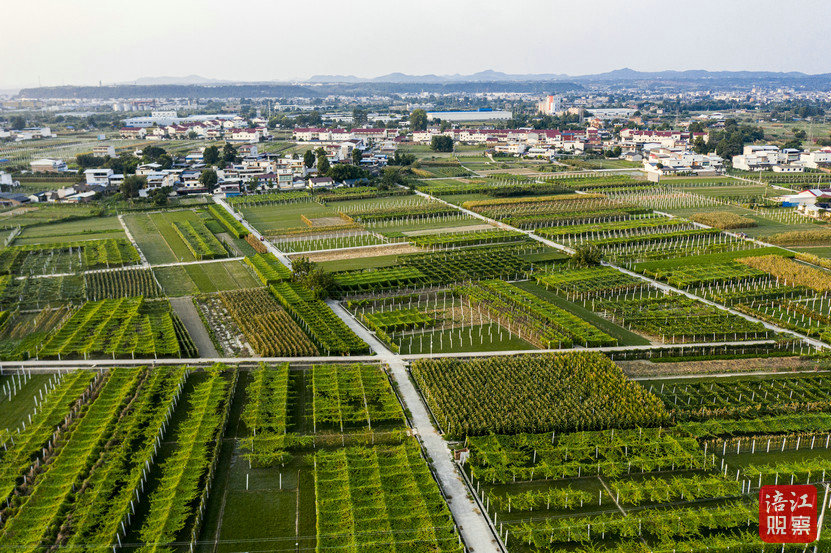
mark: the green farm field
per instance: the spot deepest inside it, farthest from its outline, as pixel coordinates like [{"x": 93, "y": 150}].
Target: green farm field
[
  {"x": 97, "y": 228},
  {"x": 204, "y": 278}
]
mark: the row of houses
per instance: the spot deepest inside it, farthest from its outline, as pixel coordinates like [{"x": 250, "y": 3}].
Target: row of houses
[
  {"x": 787, "y": 160},
  {"x": 210, "y": 129},
  {"x": 680, "y": 161}
]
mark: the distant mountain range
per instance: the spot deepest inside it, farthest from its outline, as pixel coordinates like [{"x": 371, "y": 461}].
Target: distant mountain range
[
  {"x": 196, "y": 86},
  {"x": 490, "y": 76},
  {"x": 617, "y": 75}
]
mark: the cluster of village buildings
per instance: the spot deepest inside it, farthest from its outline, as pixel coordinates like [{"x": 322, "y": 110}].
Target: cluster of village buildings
[{"x": 660, "y": 152}]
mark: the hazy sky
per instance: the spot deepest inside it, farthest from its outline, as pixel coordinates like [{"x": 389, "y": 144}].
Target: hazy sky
[{"x": 83, "y": 41}]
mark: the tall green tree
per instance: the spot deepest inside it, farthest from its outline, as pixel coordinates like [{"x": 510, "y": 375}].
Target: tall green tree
[
  {"x": 418, "y": 120},
  {"x": 208, "y": 179},
  {"x": 229, "y": 153},
  {"x": 441, "y": 143},
  {"x": 131, "y": 185},
  {"x": 357, "y": 155},
  {"x": 322, "y": 162},
  {"x": 210, "y": 155},
  {"x": 309, "y": 159}
]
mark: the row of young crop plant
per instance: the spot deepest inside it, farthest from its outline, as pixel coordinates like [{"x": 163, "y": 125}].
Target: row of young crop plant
[
  {"x": 331, "y": 241},
  {"x": 462, "y": 239},
  {"x": 228, "y": 221},
  {"x": 588, "y": 282},
  {"x": 791, "y": 272},
  {"x": 37, "y": 516},
  {"x": 121, "y": 284},
  {"x": 266, "y": 416},
  {"x": 636, "y": 239},
  {"x": 795, "y": 308},
  {"x": 526, "y": 203},
  {"x": 396, "y": 320},
  {"x": 85, "y": 255},
  {"x": 107, "y": 502},
  {"x": 328, "y": 332},
  {"x": 269, "y": 198},
  {"x": 180, "y": 496},
  {"x": 536, "y": 221},
  {"x": 661, "y": 525},
  {"x": 533, "y": 393},
  {"x": 379, "y": 279},
  {"x": 23, "y": 334},
  {"x": 630, "y": 255},
  {"x": 473, "y": 263},
  {"x": 380, "y": 498},
  {"x": 614, "y": 453},
  {"x": 635, "y": 234},
  {"x": 358, "y": 193},
  {"x": 647, "y": 222},
  {"x": 445, "y": 267},
  {"x": 675, "y": 318},
  {"x": 745, "y": 397},
  {"x": 411, "y": 208},
  {"x": 266, "y": 326},
  {"x": 116, "y": 328},
  {"x": 698, "y": 274},
  {"x": 200, "y": 241},
  {"x": 268, "y": 268},
  {"x": 49, "y": 421},
  {"x": 352, "y": 397},
  {"x": 545, "y": 324}
]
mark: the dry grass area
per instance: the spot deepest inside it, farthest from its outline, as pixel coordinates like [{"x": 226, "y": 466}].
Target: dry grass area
[
  {"x": 646, "y": 368},
  {"x": 384, "y": 249}
]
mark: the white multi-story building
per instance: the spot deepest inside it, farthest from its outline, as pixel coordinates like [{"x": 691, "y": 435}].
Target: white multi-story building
[
  {"x": 817, "y": 159},
  {"x": 670, "y": 161},
  {"x": 98, "y": 176},
  {"x": 768, "y": 158}
]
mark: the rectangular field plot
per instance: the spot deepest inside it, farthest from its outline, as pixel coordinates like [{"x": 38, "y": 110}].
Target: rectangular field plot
[
  {"x": 438, "y": 322},
  {"x": 250, "y": 322},
  {"x": 273, "y": 487},
  {"x": 67, "y": 257},
  {"x": 123, "y": 327},
  {"x": 214, "y": 460},
  {"x": 94, "y": 228},
  {"x": 654, "y": 314},
  {"x": 203, "y": 278},
  {"x": 160, "y": 241},
  {"x": 543, "y": 392}
]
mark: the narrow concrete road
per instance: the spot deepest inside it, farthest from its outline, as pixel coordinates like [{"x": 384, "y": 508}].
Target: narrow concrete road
[
  {"x": 471, "y": 522},
  {"x": 193, "y": 322}
]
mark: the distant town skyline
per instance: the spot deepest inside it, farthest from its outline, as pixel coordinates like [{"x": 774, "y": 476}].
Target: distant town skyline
[{"x": 92, "y": 41}]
